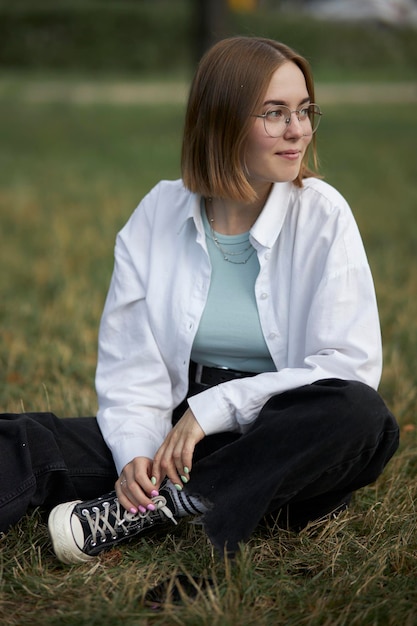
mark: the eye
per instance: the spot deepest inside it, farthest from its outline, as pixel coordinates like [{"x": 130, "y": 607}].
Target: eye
[
  {"x": 304, "y": 113},
  {"x": 276, "y": 114}
]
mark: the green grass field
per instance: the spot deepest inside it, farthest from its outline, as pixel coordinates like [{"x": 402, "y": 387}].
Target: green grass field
[{"x": 69, "y": 178}]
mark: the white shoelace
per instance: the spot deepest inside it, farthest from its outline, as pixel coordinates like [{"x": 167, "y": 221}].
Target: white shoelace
[{"x": 99, "y": 522}]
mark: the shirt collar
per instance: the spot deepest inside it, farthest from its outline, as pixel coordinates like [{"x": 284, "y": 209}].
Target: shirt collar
[
  {"x": 269, "y": 223},
  {"x": 267, "y": 227}
]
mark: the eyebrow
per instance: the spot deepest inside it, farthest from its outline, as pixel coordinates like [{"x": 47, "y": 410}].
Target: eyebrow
[{"x": 283, "y": 103}]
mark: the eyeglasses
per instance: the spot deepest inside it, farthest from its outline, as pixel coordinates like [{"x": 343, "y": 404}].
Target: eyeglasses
[{"x": 277, "y": 119}]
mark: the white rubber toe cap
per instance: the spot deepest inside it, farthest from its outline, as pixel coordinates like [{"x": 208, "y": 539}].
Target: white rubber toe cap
[{"x": 66, "y": 534}]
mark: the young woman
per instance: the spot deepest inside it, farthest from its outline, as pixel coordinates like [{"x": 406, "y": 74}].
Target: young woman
[{"x": 239, "y": 349}]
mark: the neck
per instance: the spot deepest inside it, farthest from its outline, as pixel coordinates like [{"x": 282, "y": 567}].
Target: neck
[{"x": 229, "y": 217}]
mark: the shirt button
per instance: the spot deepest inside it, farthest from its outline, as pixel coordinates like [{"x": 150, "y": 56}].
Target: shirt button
[
  {"x": 272, "y": 335},
  {"x": 264, "y": 296},
  {"x": 267, "y": 255}
]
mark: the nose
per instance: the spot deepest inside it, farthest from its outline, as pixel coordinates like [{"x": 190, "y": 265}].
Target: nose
[{"x": 294, "y": 128}]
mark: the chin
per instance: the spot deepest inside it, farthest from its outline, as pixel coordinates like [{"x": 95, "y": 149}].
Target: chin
[{"x": 287, "y": 179}]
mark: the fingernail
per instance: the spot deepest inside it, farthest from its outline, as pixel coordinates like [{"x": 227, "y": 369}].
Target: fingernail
[
  {"x": 186, "y": 470},
  {"x": 154, "y": 493},
  {"x": 178, "y": 487},
  {"x": 142, "y": 509},
  {"x": 151, "y": 507},
  {"x": 153, "y": 480},
  {"x": 184, "y": 479},
  {"x": 133, "y": 510}
]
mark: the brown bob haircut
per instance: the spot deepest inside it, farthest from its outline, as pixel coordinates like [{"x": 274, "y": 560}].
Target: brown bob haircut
[{"x": 228, "y": 87}]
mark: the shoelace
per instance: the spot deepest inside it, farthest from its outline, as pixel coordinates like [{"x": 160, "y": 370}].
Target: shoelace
[{"x": 100, "y": 524}]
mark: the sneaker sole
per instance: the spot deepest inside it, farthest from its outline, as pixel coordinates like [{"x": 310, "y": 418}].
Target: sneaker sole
[{"x": 63, "y": 542}]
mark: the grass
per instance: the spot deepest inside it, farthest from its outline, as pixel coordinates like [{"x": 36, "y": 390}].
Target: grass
[{"x": 69, "y": 179}]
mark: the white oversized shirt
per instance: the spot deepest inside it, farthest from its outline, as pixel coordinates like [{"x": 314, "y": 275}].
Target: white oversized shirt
[{"x": 314, "y": 293}]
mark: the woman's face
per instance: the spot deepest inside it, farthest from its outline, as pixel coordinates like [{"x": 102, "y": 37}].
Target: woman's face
[{"x": 268, "y": 159}]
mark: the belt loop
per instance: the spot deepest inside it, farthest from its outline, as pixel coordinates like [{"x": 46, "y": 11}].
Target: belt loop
[{"x": 198, "y": 373}]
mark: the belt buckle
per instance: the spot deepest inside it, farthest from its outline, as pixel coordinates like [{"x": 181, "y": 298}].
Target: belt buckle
[{"x": 198, "y": 373}]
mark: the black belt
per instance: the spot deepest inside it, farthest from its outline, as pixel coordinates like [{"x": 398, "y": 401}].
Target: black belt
[{"x": 211, "y": 376}]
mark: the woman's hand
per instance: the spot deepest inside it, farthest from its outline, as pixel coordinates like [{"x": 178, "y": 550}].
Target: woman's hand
[
  {"x": 175, "y": 457},
  {"x": 134, "y": 487}
]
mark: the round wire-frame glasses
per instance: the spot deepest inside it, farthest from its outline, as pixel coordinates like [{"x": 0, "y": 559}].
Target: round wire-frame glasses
[{"x": 278, "y": 118}]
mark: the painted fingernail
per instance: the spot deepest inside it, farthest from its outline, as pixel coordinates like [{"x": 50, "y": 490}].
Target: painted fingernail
[
  {"x": 154, "y": 493},
  {"x": 133, "y": 510},
  {"x": 151, "y": 507},
  {"x": 184, "y": 479},
  {"x": 186, "y": 470},
  {"x": 141, "y": 508},
  {"x": 153, "y": 480},
  {"x": 178, "y": 487}
]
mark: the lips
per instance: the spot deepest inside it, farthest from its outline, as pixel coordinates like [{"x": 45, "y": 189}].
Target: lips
[{"x": 290, "y": 155}]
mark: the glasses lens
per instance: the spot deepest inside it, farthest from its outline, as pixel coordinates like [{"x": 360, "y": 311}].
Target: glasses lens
[
  {"x": 314, "y": 114},
  {"x": 276, "y": 121}
]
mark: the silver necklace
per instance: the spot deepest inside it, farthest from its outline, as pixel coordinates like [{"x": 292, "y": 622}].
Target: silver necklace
[{"x": 226, "y": 254}]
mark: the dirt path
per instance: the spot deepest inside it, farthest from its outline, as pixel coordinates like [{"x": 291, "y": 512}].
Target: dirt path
[{"x": 126, "y": 93}]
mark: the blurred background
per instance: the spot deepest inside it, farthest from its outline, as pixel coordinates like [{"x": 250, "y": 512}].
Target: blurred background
[
  {"x": 342, "y": 38},
  {"x": 92, "y": 98}
]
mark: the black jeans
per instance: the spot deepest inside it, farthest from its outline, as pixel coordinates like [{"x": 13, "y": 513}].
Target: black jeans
[{"x": 308, "y": 450}]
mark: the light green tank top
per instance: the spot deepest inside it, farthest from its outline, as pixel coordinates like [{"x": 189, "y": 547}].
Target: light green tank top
[{"x": 230, "y": 334}]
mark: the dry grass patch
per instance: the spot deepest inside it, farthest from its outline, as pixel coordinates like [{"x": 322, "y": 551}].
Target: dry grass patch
[{"x": 69, "y": 178}]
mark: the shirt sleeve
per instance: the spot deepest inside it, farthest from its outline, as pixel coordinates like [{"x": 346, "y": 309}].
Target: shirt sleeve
[{"x": 132, "y": 382}]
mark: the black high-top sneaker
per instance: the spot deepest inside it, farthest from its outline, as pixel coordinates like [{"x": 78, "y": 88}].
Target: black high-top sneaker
[{"x": 81, "y": 530}]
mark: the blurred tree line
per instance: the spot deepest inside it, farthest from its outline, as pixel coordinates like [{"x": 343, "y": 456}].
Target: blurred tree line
[{"x": 167, "y": 37}]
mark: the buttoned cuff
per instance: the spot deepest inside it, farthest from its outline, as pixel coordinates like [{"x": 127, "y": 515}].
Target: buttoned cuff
[
  {"x": 126, "y": 449},
  {"x": 211, "y": 412}
]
